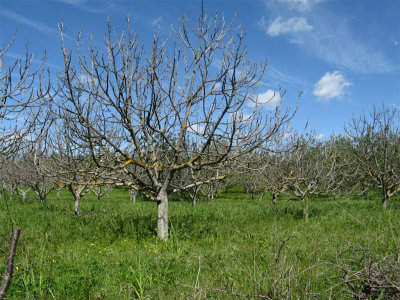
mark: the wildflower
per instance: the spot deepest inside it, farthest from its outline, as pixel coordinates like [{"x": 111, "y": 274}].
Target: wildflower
[
  {"x": 91, "y": 244},
  {"x": 54, "y": 261}
]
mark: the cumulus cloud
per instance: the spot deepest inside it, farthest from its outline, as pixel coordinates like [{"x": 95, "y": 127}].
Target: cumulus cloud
[
  {"x": 270, "y": 99},
  {"x": 331, "y": 85},
  {"x": 280, "y": 26}
]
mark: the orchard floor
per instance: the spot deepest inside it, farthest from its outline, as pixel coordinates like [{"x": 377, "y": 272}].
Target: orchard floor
[{"x": 231, "y": 248}]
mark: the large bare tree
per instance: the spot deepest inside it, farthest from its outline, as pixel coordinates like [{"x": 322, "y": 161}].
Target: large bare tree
[{"x": 182, "y": 104}]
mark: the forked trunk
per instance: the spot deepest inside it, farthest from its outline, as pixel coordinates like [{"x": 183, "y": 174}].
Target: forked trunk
[
  {"x": 23, "y": 194},
  {"x": 162, "y": 222}
]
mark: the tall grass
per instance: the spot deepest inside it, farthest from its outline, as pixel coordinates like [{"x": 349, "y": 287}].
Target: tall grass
[{"x": 232, "y": 247}]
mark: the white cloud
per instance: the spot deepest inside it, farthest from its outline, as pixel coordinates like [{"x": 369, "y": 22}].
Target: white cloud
[
  {"x": 331, "y": 85},
  {"x": 156, "y": 21},
  {"x": 270, "y": 99},
  {"x": 86, "y": 79},
  {"x": 216, "y": 88},
  {"x": 100, "y": 7},
  {"x": 196, "y": 129},
  {"x": 280, "y": 26},
  {"x": 280, "y": 77},
  {"x": 332, "y": 40},
  {"x": 30, "y": 23},
  {"x": 74, "y": 2},
  {"x": 320, "y": 136},
  {"x": 300, "y": 5},
  {"x": 335, "y": 37}
]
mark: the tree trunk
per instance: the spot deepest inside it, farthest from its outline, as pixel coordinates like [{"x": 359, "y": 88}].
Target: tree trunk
[
  {"x": 194, "y": 196},
  {"x": 133, "y": 195},
  {"x": 162, "y": 222},
  {"x": 274, "y": 198},
  {"x": 77, "y": 198},
  {"x": 364, "y": 193},
  {"x": 384, "y": 201},
  {"x": 384, "y": 197},
  {"x": 23, "y": 194},
  {"x": 305, "y": 209},
  {"x": 12, "y": 189}
]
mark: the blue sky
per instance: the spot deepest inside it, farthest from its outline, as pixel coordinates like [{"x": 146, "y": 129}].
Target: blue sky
[{"x": 343, "y": 55}]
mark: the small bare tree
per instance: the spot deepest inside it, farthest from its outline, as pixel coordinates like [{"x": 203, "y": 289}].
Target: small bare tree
[
  {"x": 179, "y": 106},
  {"x": 311, "y": 170},
  {"x": 375, "y": 150},
  {"x": 69, "y": 165},
  {"x": 100, "y": 190}
]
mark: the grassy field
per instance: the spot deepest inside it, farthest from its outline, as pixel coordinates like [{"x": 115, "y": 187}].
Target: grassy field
[{"x": 234, "y": 247}]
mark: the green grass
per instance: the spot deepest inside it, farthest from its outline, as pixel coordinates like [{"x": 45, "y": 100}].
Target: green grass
[{"x": 232, "y": 245}]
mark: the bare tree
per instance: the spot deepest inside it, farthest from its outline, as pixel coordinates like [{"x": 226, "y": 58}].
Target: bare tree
[
  {"x": 11, "y": 177},
  {"x": 180, "y": 106},
  {"x": 310, "y": 169},
  {"x": 100, "y": 190},
  {"x": 375, "y": 150},
  {"x": 69, "y": 165},
  {"x": 37, "y": 164},
  {"x": 275, "y": 174}
]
